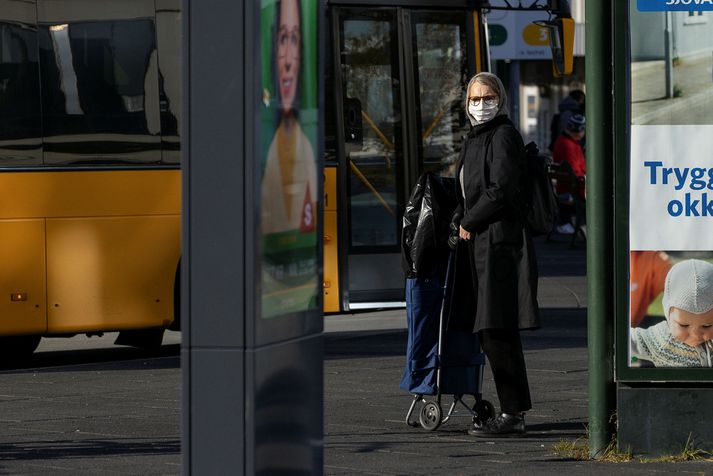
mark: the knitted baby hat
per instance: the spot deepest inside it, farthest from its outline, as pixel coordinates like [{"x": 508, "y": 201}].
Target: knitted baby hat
[{"x": 689, "y": 286}]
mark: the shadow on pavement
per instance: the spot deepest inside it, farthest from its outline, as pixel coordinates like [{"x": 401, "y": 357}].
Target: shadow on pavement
[
  {"x": 563, "y": 426},
  {"x": 557, "y": 258},
  {"x": 114, "y": 358},
  {"x": 561, "y": 329},
  {"x": 69, "y": 449},
  {"x": 347, "y": 345}
]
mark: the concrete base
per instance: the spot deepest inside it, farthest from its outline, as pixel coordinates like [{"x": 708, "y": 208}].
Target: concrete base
[{"x": 660, "y": 420}]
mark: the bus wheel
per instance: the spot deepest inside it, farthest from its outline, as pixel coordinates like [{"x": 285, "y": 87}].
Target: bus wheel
[
  {"x": 18, "y": 347},
  {"x": 176, "y": 324}
]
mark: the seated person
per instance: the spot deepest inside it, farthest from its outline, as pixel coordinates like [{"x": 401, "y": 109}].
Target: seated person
[
  {"x": 684, "y": 339},
  {"x": 567, "y": 152}
]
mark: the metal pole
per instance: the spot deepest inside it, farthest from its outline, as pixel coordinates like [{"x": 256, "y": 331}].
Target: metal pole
[
  {"x": 668, "y": 47},
  {"x": 600, "y": 217},
  {"x": 514, "y": 93}
]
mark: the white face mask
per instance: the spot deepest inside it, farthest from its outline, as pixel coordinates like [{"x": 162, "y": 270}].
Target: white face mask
[{"x": 482, "y": 112}]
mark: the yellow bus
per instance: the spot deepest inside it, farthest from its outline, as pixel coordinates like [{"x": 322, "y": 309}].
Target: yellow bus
[
  {"x": 89, "y": 169},
  {"x": 90, "y": 111}
]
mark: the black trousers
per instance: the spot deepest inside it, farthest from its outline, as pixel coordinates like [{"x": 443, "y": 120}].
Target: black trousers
[{"x": 504, "y": 351}]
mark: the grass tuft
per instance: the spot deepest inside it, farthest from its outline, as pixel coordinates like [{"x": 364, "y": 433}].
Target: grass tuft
[
  {"x": 579, "y": 450},
  {"x": 688, "y": 453}
]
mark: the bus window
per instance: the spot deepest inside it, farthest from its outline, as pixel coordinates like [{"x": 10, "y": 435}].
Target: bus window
[
  {"x": 100, "y": 85},
  {"x": 168, "y": 34},
  {"x": 20, "y": 136},
  {"x": 440, "y": 63},
  {"x": 371, "y": 86}
]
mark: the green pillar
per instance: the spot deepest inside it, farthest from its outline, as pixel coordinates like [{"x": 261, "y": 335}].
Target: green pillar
[{"x": 600, "y": 219}]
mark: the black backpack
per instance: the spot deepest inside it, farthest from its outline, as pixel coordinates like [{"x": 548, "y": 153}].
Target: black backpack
[{"x": 540, "y": 199}]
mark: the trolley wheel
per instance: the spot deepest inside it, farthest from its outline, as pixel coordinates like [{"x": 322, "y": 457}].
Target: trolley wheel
[
  {"x": 430, "y": 416},
  {"x": 484, "y": 411}
]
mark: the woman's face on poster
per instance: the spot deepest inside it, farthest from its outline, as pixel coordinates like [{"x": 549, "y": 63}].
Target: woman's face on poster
[{"x": 288, "y": 52}]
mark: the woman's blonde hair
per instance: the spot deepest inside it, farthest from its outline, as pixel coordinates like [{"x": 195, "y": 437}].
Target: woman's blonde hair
[{"x": 494, "y": 83}]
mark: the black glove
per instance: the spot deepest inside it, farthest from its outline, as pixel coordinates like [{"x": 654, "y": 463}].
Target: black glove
[{"x": 454, "y": 229}]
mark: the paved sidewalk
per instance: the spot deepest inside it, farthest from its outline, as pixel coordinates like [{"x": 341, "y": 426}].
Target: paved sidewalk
[
  {"x": 365, "y": 431},
  {"x": 365, "y": 410}
]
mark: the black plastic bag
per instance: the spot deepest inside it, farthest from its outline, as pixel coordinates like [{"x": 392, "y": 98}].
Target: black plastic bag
[{"x": 426, "y": 222}]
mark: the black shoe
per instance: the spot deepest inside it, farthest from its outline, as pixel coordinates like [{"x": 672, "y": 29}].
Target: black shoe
[{"x": 500, "y": 426}]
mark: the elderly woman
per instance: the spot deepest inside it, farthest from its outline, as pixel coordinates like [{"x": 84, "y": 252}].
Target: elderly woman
[{"x": 495, "y": 282}]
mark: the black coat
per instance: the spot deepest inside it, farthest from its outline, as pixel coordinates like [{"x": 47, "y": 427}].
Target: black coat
[{"x": 495, "y": 271}]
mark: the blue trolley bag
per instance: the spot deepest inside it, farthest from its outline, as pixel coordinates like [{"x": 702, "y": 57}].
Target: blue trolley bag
[{"x": 461, "y": 360}]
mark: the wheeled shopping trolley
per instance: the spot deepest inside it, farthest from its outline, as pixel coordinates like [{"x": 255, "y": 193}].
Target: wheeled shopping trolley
[
  {"x": 443, "y": 355},
  {"x": 439, "y": 360}
]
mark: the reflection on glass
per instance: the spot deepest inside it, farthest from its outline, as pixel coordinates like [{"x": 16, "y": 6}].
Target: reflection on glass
[
  {"x": 20, "y": 131},
  {"x": 671, "y": 308},
  {"x": 671, "y": 62},
  {"x": 373, "y": 123},
  {"x": 168, "y": 34},
  {"x": 441, "y": 71},
  {"x": 100, "y": 92}
]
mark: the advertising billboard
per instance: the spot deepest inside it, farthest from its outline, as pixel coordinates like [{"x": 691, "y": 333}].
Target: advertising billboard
[
  {"x": 289, "y": 188},
  {"x": 670, "y": 189}
]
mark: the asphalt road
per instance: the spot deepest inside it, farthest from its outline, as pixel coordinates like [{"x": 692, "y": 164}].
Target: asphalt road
[{"x": 88, "y": 407}]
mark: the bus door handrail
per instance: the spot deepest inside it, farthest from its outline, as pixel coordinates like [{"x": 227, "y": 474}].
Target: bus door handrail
[
  {"x": 377, "y": 131},
  {"x": 389, "y": 145},
  {"x": 371, "y": 188},
  {"x": 435, "y": 122}
]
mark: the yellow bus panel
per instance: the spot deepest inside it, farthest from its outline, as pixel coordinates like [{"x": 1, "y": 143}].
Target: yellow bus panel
[
  {"x": 99, "y": 247},
  {"x": 330, "y": 188},
  {"x": 111, "y": 273},
  {"x": 331, "y": 267},
  {"x": 331, "y": 250},
  {"x": 90, "y": 193},
  {"x": 23, "y": 308}
]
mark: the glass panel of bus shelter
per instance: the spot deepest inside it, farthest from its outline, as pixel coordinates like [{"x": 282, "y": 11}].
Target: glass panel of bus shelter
[
  {"x": 100, "y": 93},
  {"x": 440, "y": 63},
  {"x": 371, "y": 88},
  {"x": 671, "y": 183},
  {"x": 20, "y": 127}
]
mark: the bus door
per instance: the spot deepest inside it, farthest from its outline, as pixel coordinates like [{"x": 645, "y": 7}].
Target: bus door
[{"x": 399, "y": 80}]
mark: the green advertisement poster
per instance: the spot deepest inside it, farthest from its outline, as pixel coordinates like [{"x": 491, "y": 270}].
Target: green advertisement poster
[{"x": 288, "y": 152}]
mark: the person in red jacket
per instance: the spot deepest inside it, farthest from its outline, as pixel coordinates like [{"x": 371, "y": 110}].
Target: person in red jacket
[{"x": 568, "y": 149}]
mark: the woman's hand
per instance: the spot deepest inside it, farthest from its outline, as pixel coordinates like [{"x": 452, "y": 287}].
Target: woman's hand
[{"x": 464, "y": 235}]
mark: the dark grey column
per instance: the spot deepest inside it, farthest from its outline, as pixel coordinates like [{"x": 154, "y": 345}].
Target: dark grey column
[{"x": 252, "y": 388}]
